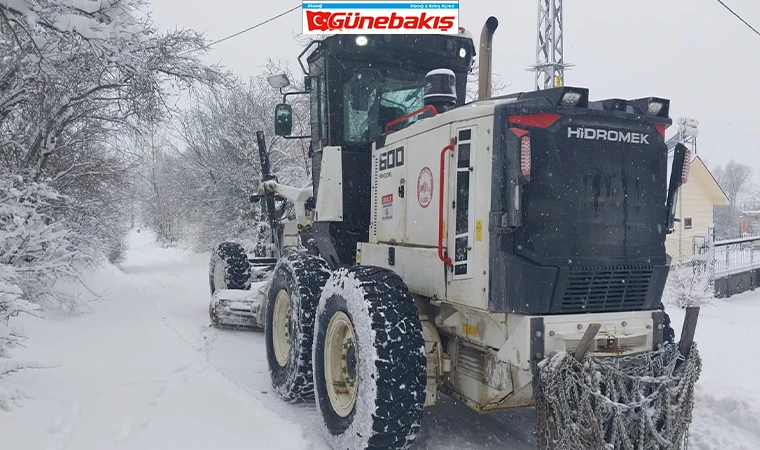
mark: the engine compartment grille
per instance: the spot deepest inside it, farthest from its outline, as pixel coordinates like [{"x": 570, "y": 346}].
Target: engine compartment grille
[{"x": 606, "y": 288}]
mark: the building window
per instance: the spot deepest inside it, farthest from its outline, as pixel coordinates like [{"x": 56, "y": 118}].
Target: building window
[{"x": 687, "y": 223}]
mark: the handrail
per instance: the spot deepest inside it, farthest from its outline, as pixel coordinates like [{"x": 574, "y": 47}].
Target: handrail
[
  {"x": 446, "y": 260},
  {"x": 409, "y": 116},
  {"x": 741, "y": 240}
]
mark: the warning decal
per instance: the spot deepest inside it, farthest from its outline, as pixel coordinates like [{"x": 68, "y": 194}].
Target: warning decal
[
  {"x": 387, "y": 206},
  {"x": 425, "y": 187}
]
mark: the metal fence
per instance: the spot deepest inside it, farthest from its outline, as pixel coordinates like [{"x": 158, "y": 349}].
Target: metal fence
[
  {"x": 720, "y": 268},
  {"x": 735, "y": 256}
]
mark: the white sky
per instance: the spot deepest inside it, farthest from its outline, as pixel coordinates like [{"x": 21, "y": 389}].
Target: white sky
[{"x": 693, "y": 52}]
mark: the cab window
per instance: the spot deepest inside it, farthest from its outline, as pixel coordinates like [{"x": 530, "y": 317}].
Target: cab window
[{"x": 372, "y": 100}]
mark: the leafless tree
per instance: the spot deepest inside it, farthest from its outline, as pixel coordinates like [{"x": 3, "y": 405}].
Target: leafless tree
[
  {"x": 213, "y": 168},
  {"x": 736, "y": 180}
]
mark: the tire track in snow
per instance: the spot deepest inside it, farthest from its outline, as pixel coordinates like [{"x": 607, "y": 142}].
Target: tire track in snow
[
  {"x": 62, "y": 427},
  {"x": 177, "y": 377},
  {"x": 447, "y": 426}
]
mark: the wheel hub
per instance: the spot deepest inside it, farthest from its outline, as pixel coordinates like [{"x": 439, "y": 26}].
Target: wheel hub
[
  {"x": 341, "y": 364},
  {"x": 281, "y": 328}
]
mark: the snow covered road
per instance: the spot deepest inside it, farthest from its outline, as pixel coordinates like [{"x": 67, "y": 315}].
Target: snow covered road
[
  {"x": 126, "y": 378},
  {"x": 143, "y": 370}
]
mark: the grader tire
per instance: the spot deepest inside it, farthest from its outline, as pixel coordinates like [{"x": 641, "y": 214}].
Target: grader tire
[
  {"x": 369, "y": 361},
  {"x": 229, "y": 268},
  {"x": 297, "y": 283}
]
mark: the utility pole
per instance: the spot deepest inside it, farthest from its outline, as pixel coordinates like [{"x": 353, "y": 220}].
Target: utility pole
[{"x": 550, "y": 60}]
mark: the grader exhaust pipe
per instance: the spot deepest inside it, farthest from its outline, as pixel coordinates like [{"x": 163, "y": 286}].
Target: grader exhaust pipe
[{"x": 486, "y": 57}]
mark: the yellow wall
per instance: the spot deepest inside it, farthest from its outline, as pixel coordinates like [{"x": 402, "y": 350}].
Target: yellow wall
[{"x": 696, "y": 200}]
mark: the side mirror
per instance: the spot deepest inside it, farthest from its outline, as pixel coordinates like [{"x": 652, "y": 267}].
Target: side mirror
[{"x": 283, "y": 120}]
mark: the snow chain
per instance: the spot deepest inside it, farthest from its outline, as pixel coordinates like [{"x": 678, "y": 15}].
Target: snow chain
[{"x": 638, "y": 402}]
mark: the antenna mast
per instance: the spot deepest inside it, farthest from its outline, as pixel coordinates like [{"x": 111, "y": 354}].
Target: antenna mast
[{"x": 550, "y": 61}]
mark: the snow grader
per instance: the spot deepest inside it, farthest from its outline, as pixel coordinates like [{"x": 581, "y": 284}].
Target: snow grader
[{"x": 507, "y": 252}]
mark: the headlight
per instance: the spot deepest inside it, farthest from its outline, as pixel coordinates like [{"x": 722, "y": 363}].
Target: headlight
[
  {"x": 654, "y": 108},
  {"x": 571, "y": 98}
]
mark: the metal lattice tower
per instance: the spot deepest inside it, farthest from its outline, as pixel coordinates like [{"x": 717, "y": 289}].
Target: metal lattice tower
[
  {"x": 688, "y": 129},
  {"x": 550, "y": 61}
]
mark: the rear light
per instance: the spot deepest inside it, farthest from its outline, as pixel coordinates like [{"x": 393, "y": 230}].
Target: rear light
[
  {"x": 525, "y": 156},
  {"x": 686, "y": 166},
  {"x": 535, "y": 120}
]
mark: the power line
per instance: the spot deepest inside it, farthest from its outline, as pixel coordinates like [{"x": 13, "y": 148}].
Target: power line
[
  {"x": 739, "y": 17},
  {"x": 255, "y": 26}
]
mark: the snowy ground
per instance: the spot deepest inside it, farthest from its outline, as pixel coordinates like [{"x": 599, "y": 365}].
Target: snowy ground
[{"x": 142, "y": 370}]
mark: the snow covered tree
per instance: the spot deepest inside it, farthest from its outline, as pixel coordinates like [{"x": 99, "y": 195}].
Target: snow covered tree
[
  {"x": 75, "y": 70},
  {"x": 211, "y": 174},
  {"x": 76, "y": 75}
]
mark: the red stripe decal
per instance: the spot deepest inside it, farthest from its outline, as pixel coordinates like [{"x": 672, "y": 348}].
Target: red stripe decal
[{"x": 535, "y": 120}]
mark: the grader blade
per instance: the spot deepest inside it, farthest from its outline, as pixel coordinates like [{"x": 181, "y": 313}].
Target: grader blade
[
  {"x": 644, "y": 401},
  {"x": 231, "y": 308}
]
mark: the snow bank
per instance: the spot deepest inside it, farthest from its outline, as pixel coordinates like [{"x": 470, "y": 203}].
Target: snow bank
[
  {"x": 727, "y": 410},
  {"x": 725, "y": 419}
]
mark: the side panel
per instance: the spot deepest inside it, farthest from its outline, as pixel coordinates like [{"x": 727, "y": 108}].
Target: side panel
[
  {"x": 405, "y": 210},
  {"x": 336, "y": 240},
  {"x": 329, "y": 206},
  {"x": 389, "y": 193},
  {"x": 423, "y": 185},
  {"x": 420, "y": 268}
]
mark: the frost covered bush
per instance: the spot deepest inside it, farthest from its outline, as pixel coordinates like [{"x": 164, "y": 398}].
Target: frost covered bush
[
  {"x": 35, "y": 247},
  {"x": 34, "y": 252},
  {"x": 11, "y": 304},
  {"x": 691, "y": 283}
]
